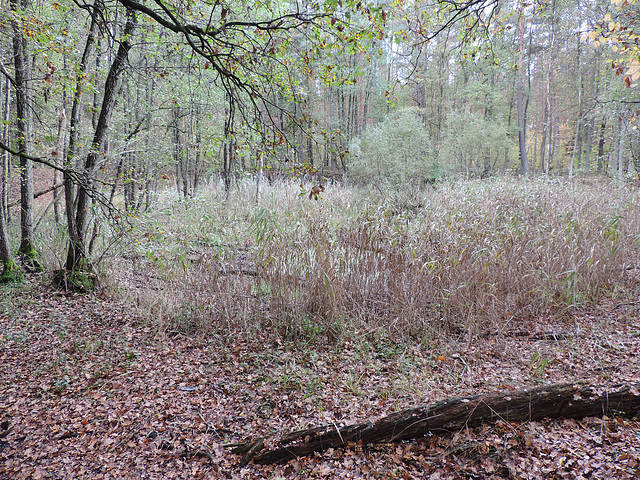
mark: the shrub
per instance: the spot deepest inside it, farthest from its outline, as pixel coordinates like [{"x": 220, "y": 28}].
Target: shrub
[
  {"x": 476, "y": 145},
  {"x": 396, "y": 152}
]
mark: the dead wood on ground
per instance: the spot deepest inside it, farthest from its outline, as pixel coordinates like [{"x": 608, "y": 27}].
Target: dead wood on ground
[{"x": 551, "y": 401}]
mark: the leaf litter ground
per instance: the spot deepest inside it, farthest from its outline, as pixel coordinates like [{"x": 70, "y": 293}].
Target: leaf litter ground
[{"x": 91, "y": 391}]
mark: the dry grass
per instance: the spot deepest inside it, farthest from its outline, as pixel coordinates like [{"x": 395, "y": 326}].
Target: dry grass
[{"x": 467, "y": 257}]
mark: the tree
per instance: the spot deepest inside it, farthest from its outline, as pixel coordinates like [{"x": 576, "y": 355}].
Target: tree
[
  {"x": 78, "y": 266},
  {"x": 23, "y": 140},
  {"x": 522, "y": 133},
  {"x": 396, "y": 152},
  {"x": 620, "y": 30},
  {"x": 10, "y": 270},
  {"x": 475, "y": 143}
]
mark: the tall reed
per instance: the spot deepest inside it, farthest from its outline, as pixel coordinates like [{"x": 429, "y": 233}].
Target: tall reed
[{"x": 474, "y": 256}]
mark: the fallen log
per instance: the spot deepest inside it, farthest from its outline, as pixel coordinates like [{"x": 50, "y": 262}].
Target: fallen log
[{"x": 551, "y": 401}]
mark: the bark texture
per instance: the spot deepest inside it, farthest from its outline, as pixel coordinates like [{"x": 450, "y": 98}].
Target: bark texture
[
  {"x": 22, "y": 74},
  {"x": 553, "y": 401},
  {"x": 522, "y": 139},
  {"x": 76, "y": 257}
]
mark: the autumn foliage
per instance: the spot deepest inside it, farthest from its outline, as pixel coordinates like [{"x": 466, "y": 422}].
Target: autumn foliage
[{"x": 316, "y": 191}]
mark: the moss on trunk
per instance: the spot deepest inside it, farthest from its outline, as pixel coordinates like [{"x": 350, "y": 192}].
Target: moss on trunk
[
  {"x": 30, "y": 259},
  {"x": 11, "y": 273},
  {"x": 81, "y": 278}
]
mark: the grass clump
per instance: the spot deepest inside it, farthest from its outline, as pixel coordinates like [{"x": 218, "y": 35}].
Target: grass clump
[{"x": 470, "y": 256}]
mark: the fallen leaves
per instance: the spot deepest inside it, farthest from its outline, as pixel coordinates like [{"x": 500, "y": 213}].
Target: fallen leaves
[{"x": 88, "y": 391}]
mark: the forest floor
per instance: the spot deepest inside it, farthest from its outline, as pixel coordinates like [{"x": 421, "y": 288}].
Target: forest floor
[{"x": 90, "y": 390}]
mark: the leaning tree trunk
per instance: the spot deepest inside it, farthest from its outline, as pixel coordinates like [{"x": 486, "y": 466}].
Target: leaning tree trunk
[
  {"x": 74, "y": 127},
  {"x": 448, "y": 416},
  {"x": 21, "y": 63},
  {"x": 77, "y": 256}
]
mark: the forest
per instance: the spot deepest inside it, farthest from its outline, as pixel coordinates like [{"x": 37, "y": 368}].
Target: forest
[{"x": 319, "y": 239}]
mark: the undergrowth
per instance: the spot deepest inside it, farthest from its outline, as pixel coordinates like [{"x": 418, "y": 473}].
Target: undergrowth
[{"x": 471, "y": 257}]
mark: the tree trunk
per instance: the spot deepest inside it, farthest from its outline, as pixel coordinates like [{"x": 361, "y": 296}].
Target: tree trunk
[
  {"x": 588, "y": 142},
  {"x": 309, "y": 141},
  {"x": 6, "y": 164},
  {"x": 177, "y": 149},
  {"x": 601, "y": 141},
  {"x": 227, "y": 145},
  {"x": 260, "y": 164},
  {"x": 620, "y": 156},
  {"x": 77, "y": 255},
  {"x": 70, "y": 156},
  {"x": 550, "y": 105},
  {"x": 522, "y": 141},
  {"x": 545, "y": 123},
  {"x": 10, "y": 271},
  {"x": 448, "y": 416},
  {"x": 197, "y": 154},
  {"x": 21, "y": 63},
  {"x": 576, "y": 156},
  {"x": 591, "y": 118},
  {"x": 59, "y": 160}
]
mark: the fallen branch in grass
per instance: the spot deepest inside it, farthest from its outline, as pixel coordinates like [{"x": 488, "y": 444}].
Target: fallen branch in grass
[{"x": 551, "y": 401}]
